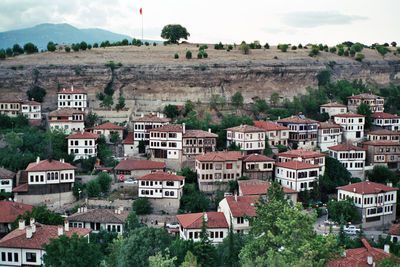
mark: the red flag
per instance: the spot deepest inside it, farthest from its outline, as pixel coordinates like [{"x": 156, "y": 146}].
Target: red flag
[{"x": 140, "y": 11}]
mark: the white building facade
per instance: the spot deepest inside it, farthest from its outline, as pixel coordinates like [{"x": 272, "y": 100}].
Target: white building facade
[
  {"x": 333, "y": 109},
  {"x": 386, "y": 121},
  {"x": 353, "y": 126},
  {"x": 351, "y": 157},
  {"x": 296, "y": 175},
  {"x": 161, "y": 185},
  {"x": 250, "y": 139},
  {"x": 31, "y": 110},
  {"x": 329, "y": 134},
  {"x": 67, "y": 120},
  {"x": 83, "y": 145},
  {"x": 166, "y": 142},
  {"x": 6, "y": 180},
  {"x": 72, "y": 98}
]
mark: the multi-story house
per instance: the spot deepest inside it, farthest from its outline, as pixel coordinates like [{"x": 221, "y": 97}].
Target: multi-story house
[
  {"x": 303, "y": 132},
  {"x": 257, "y": 166},
  {"x": 297, "y": 175},
  {"x": 7, "y": 179},
  {"x": 67, "y": 120},
  {"x": 304, "y": 155},
  {"x": 383, "y": 135},
  {"x": 386, "y": 121},
  {"x": 353, "y": 126},
  {"x": 329, "y": 134},
  {"x": 133, "y": 168},
  {"x": 236, "y": 209},
  {"x": 197, "y": 142},
  {"x": 375, "y": 103},
  {"x": 383, "y": 152},
  {"x": 31, "y": 110},
  {"x": 47, "y": 182},
  {"x": 166, "y": 142},
  {"x": 10, "y": 108},
  {"x": 276, "y": 134},
  {"x": 333, "y": 109},
  {"x": 255, "y": 187},
  {"x": 99, "y": 219},
  {"x": 72, "y": 98},
  {"x": 108, "y": 129},
  {"x": 83, "y": 145},
  {"x": 351, "y": 157},
  {"x": 131, "y": 148},
  {"x": 250, "y": 139},
  {"x": 375, "y": 202},
  {"x": 190, "y": 226},
  {"x": 9, "y": 213},
  {"x": 23, "y": 246},
  {"x": 216, "y": 169},
  {"x": 143, "y": 124}
]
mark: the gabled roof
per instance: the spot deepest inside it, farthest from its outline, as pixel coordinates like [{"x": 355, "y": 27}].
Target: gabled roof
[
  {"x": 99, "y": 216},
  {"x": 296, "y": 165},
  {"x": 31, "y": 103},
  {"x": 71, "y": 90},
  {"x": 301, "y": 153},
  {"x": 10, "y": 210},
  {"x": 42, "y": 235},
  {"x": 269, "y": 126},
  {"x": 107, "y": 126},
  {"x": 168, "y": 128},
  {"x": 394, "y": 229},
  {"x": 296, "y": 119},
  {"x": 349, "y": 115},
  {"x": 383, "y": 115},
  {"x": 328, "y": 125},
  {"x": 245, "y": 129},
  {"x": 256, "y": 158},
  {"x": 259, "y": 187},
  {"x": 242, "y": 205},
  {"x": 199, "y": 134},
  {"x": 65, "y": 112},
  {"x": 381, "y": 143},
  {"x": 161, "y": 176},
  {"x": 151, "y": 118},
  {"x": 22, "y": 188},
  {"x": 6, "y": 174},
  {"x": 383, "y": 132},
  {"x": 346, "y": 147},
  {"x": 333, "y": 105},
  {"x": 194, "y": 220},
  {"x": 367, "y": 187},
  {"x": 138, "y": 164},
  {"x": 220, "y": 156},
  {"x": 49, "y": 165},
  {"x": 365, "y": 96},
  {"x": 83, "y": 135},
  {"x": 129, "y": 139}
]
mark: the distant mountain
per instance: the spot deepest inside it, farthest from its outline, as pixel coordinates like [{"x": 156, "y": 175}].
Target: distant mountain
[{"x": 41, "y": 34}]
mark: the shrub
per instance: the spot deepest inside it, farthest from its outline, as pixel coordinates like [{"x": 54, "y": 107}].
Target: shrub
[
  {"x": 346, "y": 53},
  {"x": 51, "y": 47},
  {"x": 340, "y": 51},
  {"x": 142, "y": 206},
  {"x": 245, "y": 48},
  {"x": 200, "y": 55},
  {"x": 89, "y": 46},
  {"x": 266, "y": 46},
  {"x": 314, "y": 51},
  {"x": 154, "y": 44},
  {"x": 294, "y": 47},
  {"x": 219, "y": 46},
  {"x": 205, "y": 55},
  {"x": 95, "y": 45},
  {"x": 146, "y": 43},
  {"x": 300, "y": 46},
  {"x": 37, "y": 93},
  {"x": 203, "y": 47},
  {"x": 83, "y": 45},
  {"x": 202, "y": 68},
  {"x": 176, "y": 56},
  {"x": 188, "y": 54},
  {"x": 67, "y": 49},
  {"x": 9, "y": 52},
  {"x": 20, "y": 67},
  {"x": 283, "y": 47},
  {"x": 359, "y": 57},
  {"x": 2, "y": 54},
  {"x": 332, "y": 49},
  {"x": 382, "y": 50},
  {"x": 110, "y": 64}
]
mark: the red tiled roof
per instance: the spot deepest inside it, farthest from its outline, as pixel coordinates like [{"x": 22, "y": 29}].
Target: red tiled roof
[
  {"x": 383, "y": 115},
  {"x": 245, "y": 129},
  {"x": 151, "y": 118},
  {"x": 137, "y": 164},
  {"x": 328, "y": 125},
  {"x": 259, "y": 187},
  {"x": 302, "y": 153},
  {"x": 107, "y": 126},
  {"x": 168, "y": 128},
  {"x": 83, "y": 135},
  {"x": 349, "y": 115},
  {"x": 364, "y": 96},
  {"x": 21, "y": 188},
  {"x": 358, "y": 257},
  {"x": 10, "y": 210},
  {"x": 296, "y": 165},
  {"x": 220, "y": 156},
  {"x": 297, "y": 119},
  {"x": 65, "y": 112},
  {"x": 256, "y": 158},
  {"x": 99, "y": 216},
  {"x": 161, "y": 176},
  {"x": 243, "y": 205},
  {"x": 381, "y": 143},
  {"x": 42, "y": 235},
  {"x": 394, "y": 229},
  {"x": 367, "y": 187},
  {"x": 49, "y": 165},
  {"x": 129, "y": 139},
  {"x": 71, "y": 90},
  {"x": 6, "y": 174},
  {"x": 346, "y": 147},
  {"x": 333, "y": 105},
  {"x": 383, "y": 132},
  {"x": 269, "y": 126},
  {"x": 194, "y": 220},
  {"x": 199, "y": 134},
  {"x": 31, "y": 102}
]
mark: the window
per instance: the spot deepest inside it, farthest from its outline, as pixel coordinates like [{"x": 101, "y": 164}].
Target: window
[
  {"x": 16, "y": 257},
  {"x": 3, "y": 256},
  {"x": 30, "y": 257},
  {"x": 190, "y": 235},
  {"x": 229, "y": 165}
]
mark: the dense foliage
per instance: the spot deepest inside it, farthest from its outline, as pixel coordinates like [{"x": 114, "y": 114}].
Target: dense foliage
[{"x": 41, "y": 215}]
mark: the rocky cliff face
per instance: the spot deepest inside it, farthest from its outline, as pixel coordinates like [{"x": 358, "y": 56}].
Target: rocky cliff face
[{"x": 150, "y": 86}]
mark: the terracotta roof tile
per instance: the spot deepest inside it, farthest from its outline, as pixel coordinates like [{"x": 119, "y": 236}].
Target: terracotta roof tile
[
  {"x": 63, "y": 112},
  {"x": 71, "y": 90},
  {"x": 394, "y": 229},
  {"x": 383, "y": 132},
  {"x": 243, "y": 205},
  {"x": 256, "y": 158},
  {"x": 220, "y": 156},
  {"x": 296, "y": 165},
  {"x": 129, "y": 139},
  {"x": 381, "y": 143},
  {"x": 49, "y": 165},
  {"x": 10, "y": 210},
  {"x": 107, "y": 126},
  {"x": 328, "y": 125},
  {"x": 6, "y": 174},
  {"x": 297, "y": 119},
  {"x": 349, "y": 115},
  {"x": 151, "y": 118},
  {"x": 99, "y": 216},
  {"x": 259, "y": 187},
  {"x": 199, "y": 134},
  {"x": 168, "y": 128},
  {"x": 301, "y": 153},
  {"x": 83, "y": 135},
  {"x": 269, "y": 126},
  {"x": 137, "y": 164},
  {"x": 161, "y": 176},
  {"x": 194, "y": 220},
  {"x": 383, "y": 115},
  {"x": 245, "y": 129},
  {"x": 367, "y": 187},
  {"x": 21, "y": 188},
  {"x": 31, "y": 102},
  {"x": 333, "y": 105},
  {"x": 364, "y": 96},
  {"x": 346, "y": 147}
]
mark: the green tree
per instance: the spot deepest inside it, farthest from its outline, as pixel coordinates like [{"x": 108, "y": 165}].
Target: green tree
[
  {"x": 36, "y": 93},
  {"x": 9, "y": 52},
  {"x": 189, "y": 106},
  {"x": 142, "y": 206},
  {"x": 104, "y": 180},
  {"x": 17, "y": 50},
  {"x": 190, "y": 176},
  {"x": 382, "y": 175},
  {"x": 77, "y": 190},
  {"x": 360, "y": 57},
  {"x": 174, "y": 32},
  {"x": 193, "y": 200},
  {"x": 42, "y": 215},
  {"x": 67, "y": 49},
  {"x": 30, "y": 48},
  {"x": 103, "y": 239},
  {"x": 260, "y": 106},
  {"x": 323, "y": 77},
  {"x": 114, "y": 137},
  {"x": 245, "y": 48},
  {"x": 364, "y": 109},
  {"x": 190, "y": 260},
  {"x": 345, "y": 208},
  {"x": 283, "y": 47},
  {"x": 228, "y": 251},
  {"x": 71, "y": 251},
  {"x": 51, "y": 47},
  {"x": 274, "y": 99},
  {"x": 13, "y": 141},
  {"x": 121, "y": 103},
  {"x": 83, "y": 45},
  {"x": 204, "y": 251},
  {"x": 171, "y": 111},
  {"x": 107, "y": 102},
  {"x": 93, "y": 188},
  {"x": 2, "y": 54},
  {"x": 237, "y": 100},
  {"x": 131, "y": 223},
  {"x": 91, "y": 119},
  {"x": 160, "y": 260},
  {"x": 104, "y": 153},
  {"x": 188, "y": 54}
]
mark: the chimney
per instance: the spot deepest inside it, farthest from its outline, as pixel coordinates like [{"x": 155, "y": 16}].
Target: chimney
[
  {"x": 62, "y": 161},
  {"x": 60, "y": 230},
  {"x": 205, "y": 216},
  {"x": 72, "y": 88},
  {"x": 118, "y": 211},
  {"x": 158, "y": 114},
  {"x": 183, "y": 128},
  {"x": 209, "y": 130},
  {"x": 66, "y": 226},
  {"x": 21, "y": 224},
  {"x": 28, "y": 232},
  {"x": 389, "y": 184},
  {"x": 32, "y": 224},
  {"x": 84, "y": 209},
  {"x": 235, "y": 196},
  {"x": 142, "y": 115},
  {"x": 32, "y": 99},
  {"x": 386, "y": 248},
  {"x": 32, "y": 221},
  {"x": 37, "y": 159},
  {"x": 369, "y": 260}
]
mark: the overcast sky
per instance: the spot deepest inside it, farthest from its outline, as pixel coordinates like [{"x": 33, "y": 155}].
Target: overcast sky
[{"x": 273, "y": 21}]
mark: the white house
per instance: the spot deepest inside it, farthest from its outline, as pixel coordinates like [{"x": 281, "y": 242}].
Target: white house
[
  {"x": 329, "y": 134},
  {"x": 23, "y": 246},
  {"x": 161, "y": 185},
  {"x": 375, "y": 103},
  {"x": 276, "y": 134},
  {"x": 353, "y": 126},
  {"x": 107, "y": 129},
  {"x": 6, "y": 180},
  {"x": 250, "y": 139},
  {"x": 375, "y": 202},
  {"x": 297, "y": 175},
  {"x": 9, "y": 213},
  {"x": 351, "y": 157},
  {"x": 133, "y": 168},
  {"x": 131, "y": 147},
  {"x": 333, "y": 109},
  {"x": 190, "y": 226},
  {"x": 67, "y": 120},
  {"x": 31, "y": 110},
  {"x": 72, "y": 98},
  {"x": 166, "y": 141},
  {"x": 386, "y": 120},
  {"x": 83, "y": 145},
  {"x": 308, "y": 156},
  {"x": 383, "y": 135}
]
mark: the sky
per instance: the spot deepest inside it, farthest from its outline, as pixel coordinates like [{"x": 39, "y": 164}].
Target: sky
[{"x": 272, "y": 21}]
